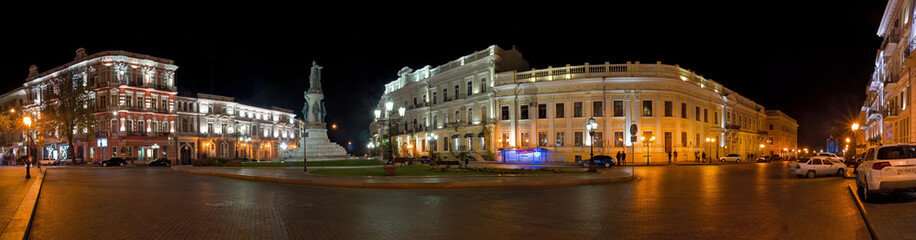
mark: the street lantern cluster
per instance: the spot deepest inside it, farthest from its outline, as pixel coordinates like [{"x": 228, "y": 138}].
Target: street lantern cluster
[
  {"x": 389, "y": 108},
  {"x": 712, "y": 140},
  {"x": 647, "y": 143},
  {"x": 591, "y": 126}
]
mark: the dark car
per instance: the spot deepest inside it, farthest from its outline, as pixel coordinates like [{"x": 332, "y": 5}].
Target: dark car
[
  {"x": 159, "y": 162},
  {"x": 115, "y": 161},
  {"x": 600, "y": 160}
]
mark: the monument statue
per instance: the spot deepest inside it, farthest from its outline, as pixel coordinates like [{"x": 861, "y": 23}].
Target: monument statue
[{"x": 314, "y": 137}]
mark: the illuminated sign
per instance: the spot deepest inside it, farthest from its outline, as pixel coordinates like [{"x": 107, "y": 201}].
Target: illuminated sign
[{"x": 101, "y": 142}]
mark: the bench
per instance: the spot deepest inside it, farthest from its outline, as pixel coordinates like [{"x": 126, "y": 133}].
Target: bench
[
  {"x": 404, "y": 161},
  {"x": 448, "y": 163}
]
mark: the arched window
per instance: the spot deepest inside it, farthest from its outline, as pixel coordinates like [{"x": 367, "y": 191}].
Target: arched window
[{"x": 457, "y": 117}]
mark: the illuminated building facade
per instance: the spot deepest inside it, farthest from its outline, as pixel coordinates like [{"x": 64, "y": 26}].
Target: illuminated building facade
[
  {"x": 886, "y": 114},
  {"x": 212, "y": 126},
  {"x": 539, "y": 115},
  {"x": 782, "y": 134},
  {"x": 139, "y": 115}
]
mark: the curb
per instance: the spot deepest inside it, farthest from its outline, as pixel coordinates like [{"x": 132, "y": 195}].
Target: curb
[
  {"x": 21, "y": 222},
  {"x": 418, "y": 185},
  {"x": 861, "y": 208}
]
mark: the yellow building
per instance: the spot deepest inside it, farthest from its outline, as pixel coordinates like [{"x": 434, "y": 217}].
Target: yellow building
[{"x": 782, "y": 134}]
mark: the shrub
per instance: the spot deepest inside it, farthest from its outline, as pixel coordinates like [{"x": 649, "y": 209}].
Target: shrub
[{"x": 203, "y": 163}]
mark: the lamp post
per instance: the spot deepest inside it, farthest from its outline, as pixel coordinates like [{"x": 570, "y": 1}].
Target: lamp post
[
  {"x": 708, "y": 142},
  {"x": 647, "y": 143},
  {"x": 591, "y": 126},
  {"x": 433, "y": 137},
  {"x": 28, "y": 123}
]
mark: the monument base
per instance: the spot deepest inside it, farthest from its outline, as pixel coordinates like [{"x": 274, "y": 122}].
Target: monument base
[{"x": 317, "y": 147}]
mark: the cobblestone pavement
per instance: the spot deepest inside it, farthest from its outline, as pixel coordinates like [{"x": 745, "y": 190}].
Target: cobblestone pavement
[
  {"x": 13, "y": 188},
  {"x": 739, "y": 201}
]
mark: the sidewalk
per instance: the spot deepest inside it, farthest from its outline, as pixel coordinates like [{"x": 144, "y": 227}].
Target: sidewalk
[
  {"x": 296, "y": 176},
  {"x": 891, "y": 218},
  {"x": 17, "y": 204}
]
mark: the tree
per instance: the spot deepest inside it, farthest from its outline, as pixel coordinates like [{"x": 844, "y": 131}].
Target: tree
[
  {"x": 10, "y": 129},
  {"x": 68, "y": 111}
]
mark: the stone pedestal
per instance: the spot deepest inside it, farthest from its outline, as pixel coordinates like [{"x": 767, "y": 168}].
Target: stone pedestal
[{"x": 317, "y": 148}]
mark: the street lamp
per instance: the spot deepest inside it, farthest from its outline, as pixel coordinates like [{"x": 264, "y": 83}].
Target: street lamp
[
  {"x": 28, "y": 123},
  {"x": 433, "y": 137},
  {"x": 591, "y": 126},
  {"x": 647, "y": 143}
]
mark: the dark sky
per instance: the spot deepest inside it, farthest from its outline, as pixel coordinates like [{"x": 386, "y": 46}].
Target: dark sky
[{"x": 810, "y": 60}]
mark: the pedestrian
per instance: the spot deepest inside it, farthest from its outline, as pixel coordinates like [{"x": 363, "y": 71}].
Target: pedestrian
[
  {"x": 618, "y": 157},
  {"x": 675, "y": 155},
  {"x": 28, "y": 164},
  {"x": 704, "y": 156},
  {"x": 623, "y": 157},
  {"x": 696, "y": 156},
  {"x": 669, "y": 157}
]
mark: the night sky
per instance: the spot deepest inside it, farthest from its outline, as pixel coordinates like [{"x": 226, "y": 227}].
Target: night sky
[{"x": 809, "y": 60}]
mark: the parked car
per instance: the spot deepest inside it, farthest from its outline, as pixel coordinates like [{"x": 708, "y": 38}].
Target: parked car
[
  {"x": 115, "y": 161},
  {"x": 763, "y": 159},
  {"x": 817, "y": 165},
  {"x": 159, "y": 162},
  {"x": 853, "y": 161},
  {"x": 731, "y": 157},
  {"x": 600, "y": 160},
  {"x": 47, "y": 162},
  {"x": 886, "y": 169},
  {"x": 831, "y": 155}
]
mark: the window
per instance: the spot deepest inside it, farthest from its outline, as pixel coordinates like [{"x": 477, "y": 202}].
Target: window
[
  {"x": 483, "y": 85},
  {"x": 445, "y": 95},
  {"x": 470, "y": 87},
  {"x": 683, "y": 110},
  {"x": 597, "y": 109},
  {"x": 705, "y": 115},
  {"x": 599, "y": 139},
  {"x": 618, "y": 139},
  {"x": 456, "y": 92},
  {"x": 103, "y": 101},
  {"x": 435, "y": 100},
  {"x": 524, "y": 112},
  {"x": 130, "y": 100},
  {"x": 577, "y": 109},
  {"x": 457, "y": 117},
  {"x": 715, "y": 117},
  {"x": 542, "y": 111},
  {"x": 483, "y": 114},
  {"x": 647, "y": 108},
  {"x": 697, "y": 143},
  {"x": 560, "y": 139},
  {"x": 683, "y": 139},
  {"x": 578, "y": 139},
  {"x": 470, "y": 116},
  {"x": 618, "y": 108},
  {"x": 184, "y": 125},
  {"x": 415, "y": 101},
  {"x": 542, "y": 139},
  {"x": 771, "y": 141},
  {"x": 559, "y": 110},
  {"x": 504, "y": 112},
  {"x": 525, "y": 139},
  {"x": 771, "y": 126},
  {"x": 669, "y": 109}
]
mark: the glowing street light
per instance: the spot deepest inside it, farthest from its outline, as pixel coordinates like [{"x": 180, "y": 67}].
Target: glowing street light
[
  {"x": 378, "y": 113},
  {"x": 401, "y": 111},
  {"x": 389, "y": 106},
  {"x": 855, "y": 126}
]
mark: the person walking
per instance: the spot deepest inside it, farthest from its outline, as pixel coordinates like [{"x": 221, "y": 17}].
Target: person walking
[
  {"x": 704, "y": 157},
  {"x": 675, "y": 155},
  {"x": 696, "y": 156},
  {"x": 623, "y": 157},
  {"x": 669, "y": 157}
]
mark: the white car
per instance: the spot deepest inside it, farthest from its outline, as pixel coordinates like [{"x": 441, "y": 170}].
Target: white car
[
  {"x": 731, "y": 158},
  {"x": 886, "y": 169},
  {"x": 831, "y": 155},
  {"x": 814, "y": 166},
  {"x": 47, "y": 162}
]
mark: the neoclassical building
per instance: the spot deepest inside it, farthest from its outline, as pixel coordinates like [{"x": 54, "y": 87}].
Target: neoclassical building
[
  {"x": 219, "y": 127},
  {"x": 539, "y": 115},
  {"x": 139, "y": 115},
  {"x": 782, "y": 133},
  {"x": 886, "y": 116}
]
